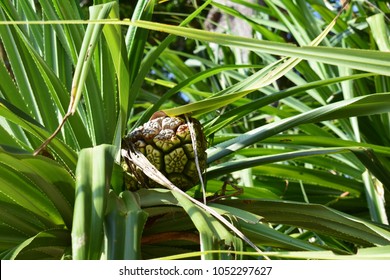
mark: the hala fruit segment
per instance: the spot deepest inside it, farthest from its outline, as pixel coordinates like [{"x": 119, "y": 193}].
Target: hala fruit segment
[{"x": 166, "y": 143}]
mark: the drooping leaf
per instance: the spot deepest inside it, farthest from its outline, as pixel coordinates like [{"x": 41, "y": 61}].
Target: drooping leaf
[
  {"x": 46, "y": 245},
  {"x": 318, "y": 218}
]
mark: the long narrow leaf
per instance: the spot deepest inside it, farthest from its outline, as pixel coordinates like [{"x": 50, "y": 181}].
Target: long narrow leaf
[
  {"x": 370, "y": 104},
  {"x": 318, "y": 218},
  {"x": 50, "y": 244},
  {"x": 370, "y": 61},
  {"x": 124, "y": 223},
  {"x": 93, "y": 175}
]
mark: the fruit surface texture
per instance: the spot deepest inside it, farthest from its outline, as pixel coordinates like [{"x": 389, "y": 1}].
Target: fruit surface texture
[{"x": 166, "y": 142}]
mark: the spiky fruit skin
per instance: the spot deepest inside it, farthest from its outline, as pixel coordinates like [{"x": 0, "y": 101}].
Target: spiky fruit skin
[{"x": 166, "y": 143}]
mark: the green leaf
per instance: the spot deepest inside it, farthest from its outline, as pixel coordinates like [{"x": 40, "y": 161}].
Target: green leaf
[
  {"x": 238, "y": 113},
  {"x": 36, "y": 202},
  {"x": 373, "y": 253},
  {"x": 64, "y": 153},
  {"x": 365, "y": 60},
  {"x": 46, "y": 245},
  {"x": 151, "y": 58},
  {"x": 124, "y": 223},
  {"x": 93, "y": 173},
  {"x": 47, "y": 91},
  {"x": 47, "y": 191},
  {"x": 183, "y": 86},
  {"x": 364, "y": 105},
  {"x": 113, "y": 35},
  {"x": 317, "y": 218},
  {"x": 93, "y": 99},
  {"x": 212, "y": 234},
  {"x": 261, "y": 233},
  {"x": 136, "y": 38}
]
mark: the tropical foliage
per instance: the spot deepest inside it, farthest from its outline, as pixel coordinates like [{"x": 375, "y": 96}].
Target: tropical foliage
[{"x": 296, "y": 116}]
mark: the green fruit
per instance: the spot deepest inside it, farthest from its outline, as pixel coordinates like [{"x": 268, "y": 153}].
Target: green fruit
[{"x": 166, "y": 143}]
